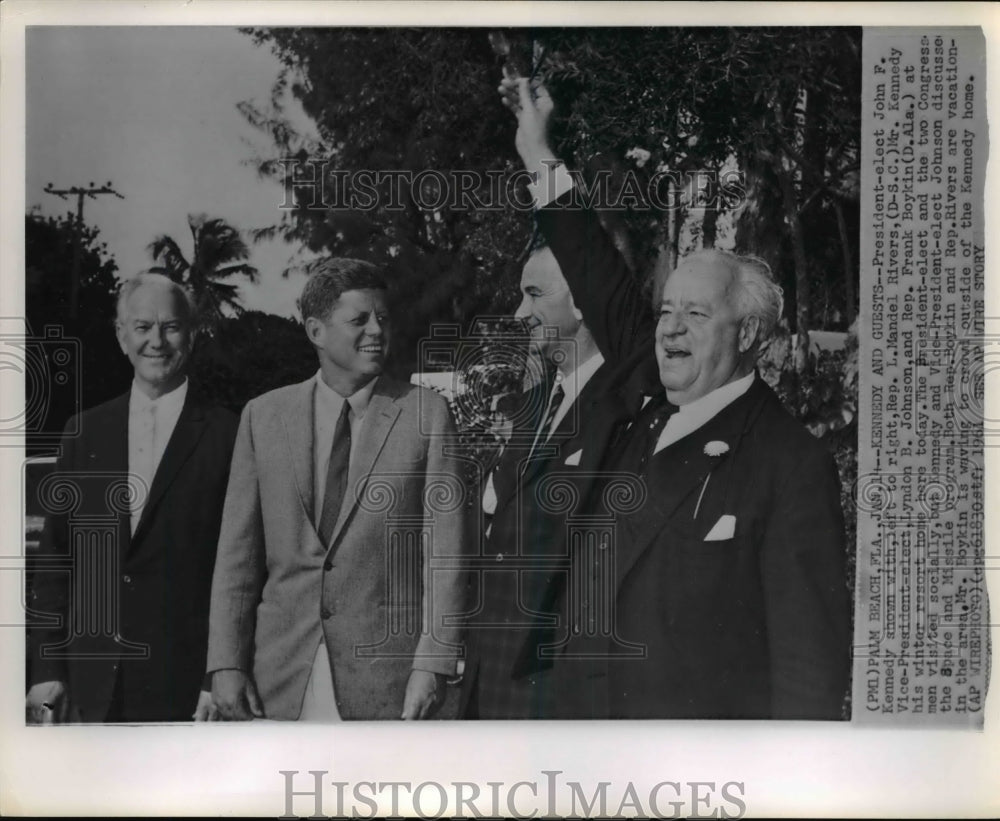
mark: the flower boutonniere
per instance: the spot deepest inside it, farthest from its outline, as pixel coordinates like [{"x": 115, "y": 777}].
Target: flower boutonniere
[{"x": 714, "y": 448}]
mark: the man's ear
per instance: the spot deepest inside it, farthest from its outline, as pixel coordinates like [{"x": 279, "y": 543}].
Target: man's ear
[
  {"x": 315, "y": 330},
  {"x": 749, "y": 329},
  {"x": 120, "y": 335},
  {"x": 577, "y": 313}
]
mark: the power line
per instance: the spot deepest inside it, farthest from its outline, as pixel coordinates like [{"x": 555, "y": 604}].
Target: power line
[{"x": 93, "y": 192}]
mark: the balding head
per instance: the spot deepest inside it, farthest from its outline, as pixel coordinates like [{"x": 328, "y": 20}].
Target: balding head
[
  {"x": 157, "y": 281},
  {"x": 717, "y": 309}
]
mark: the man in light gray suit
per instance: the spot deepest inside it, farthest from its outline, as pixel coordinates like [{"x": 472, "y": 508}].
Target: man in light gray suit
[{"x": 344, "y": 522}]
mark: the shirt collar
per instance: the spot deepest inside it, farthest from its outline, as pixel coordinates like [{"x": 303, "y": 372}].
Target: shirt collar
[
  {"x": 358, "y": 400},
  {"x": 575, "y": 380},
  {"x": 173, "y": 400},
  {"x": 711, "y": 403}
]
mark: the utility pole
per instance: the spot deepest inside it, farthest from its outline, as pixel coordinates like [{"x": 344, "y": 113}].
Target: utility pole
[{"x": 91, "y": 191}]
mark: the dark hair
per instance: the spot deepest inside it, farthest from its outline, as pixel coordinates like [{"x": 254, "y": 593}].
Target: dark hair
[
  {"x": 538, "y": 240},
  {"x": 329, "y": 278}
]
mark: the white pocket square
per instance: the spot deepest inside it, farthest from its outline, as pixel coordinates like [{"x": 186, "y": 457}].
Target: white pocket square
[
  {"x": 574, "y": 458},
  {"x": 723, "y": 529}
]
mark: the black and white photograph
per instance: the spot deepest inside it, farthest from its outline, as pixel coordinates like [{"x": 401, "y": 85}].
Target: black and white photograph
[{"x": 601, "y": 393}]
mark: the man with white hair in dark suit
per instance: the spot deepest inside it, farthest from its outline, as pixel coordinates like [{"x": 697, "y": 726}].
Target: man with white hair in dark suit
[
  {"x": 132, "y": 632},
  {"x": 730, "y": 578}
]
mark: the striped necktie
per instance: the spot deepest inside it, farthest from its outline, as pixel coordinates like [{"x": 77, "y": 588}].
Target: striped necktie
[
  {"x": 544, "y": 430},
  {"x": 646, "y": 431}
]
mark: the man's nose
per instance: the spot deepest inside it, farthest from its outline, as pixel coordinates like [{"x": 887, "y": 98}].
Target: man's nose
[
  {"x": 672, "y": 324},
  {"x": 523, "y": 310},
  {"x": 374, "y": 326}
]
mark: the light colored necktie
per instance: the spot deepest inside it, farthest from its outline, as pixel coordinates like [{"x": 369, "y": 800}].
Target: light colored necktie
[{"x": 145, "y": 453}]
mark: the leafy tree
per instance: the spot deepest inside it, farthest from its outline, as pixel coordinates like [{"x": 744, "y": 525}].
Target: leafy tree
[
  {"x": 781, "y": 105},
  {"x": 216, "y": 257},
  {"x": 250, "y": 354},
  {"x": 101, "y": 371},
  {"x": 393, "y": 101},
  {"x": 803, "y": 122}
]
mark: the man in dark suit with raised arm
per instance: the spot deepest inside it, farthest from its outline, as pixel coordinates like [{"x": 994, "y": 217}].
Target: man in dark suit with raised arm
[
  {"x": 506, "y": 677},
  {"x": 731, "y": 576},
  {"x": 122, "y": 582}
]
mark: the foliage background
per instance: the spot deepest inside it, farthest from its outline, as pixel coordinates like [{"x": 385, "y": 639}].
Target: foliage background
[{"x": 779, "y": 105}]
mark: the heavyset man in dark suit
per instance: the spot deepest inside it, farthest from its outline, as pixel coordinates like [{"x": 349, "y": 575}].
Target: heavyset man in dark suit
[
  {"x": 339, "y": 574},
  {"x": 130, "y": 645},
  {"x": 504, "y": 677},
  {"x": 731, "y": 575}
]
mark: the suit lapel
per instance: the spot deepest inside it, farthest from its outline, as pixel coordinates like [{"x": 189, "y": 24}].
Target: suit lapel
[
  {"x": 185, "y": 436},
  {"x": 299, "y": 426},
  {"x": 107, "y": 449},
  {"x": 579, "y": 418},
  {"x": 680, "y": 470},
  {"x": 512, "y": 466},
  {"x": 568, "y": 430},
  {"x": 379, "y": 420}
]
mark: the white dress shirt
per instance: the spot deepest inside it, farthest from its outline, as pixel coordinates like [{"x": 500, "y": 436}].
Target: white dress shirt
[
  {"x": 151, "y": 423},
  {"x": 320, "y": 701},
  {"x": 572, "y": 386},
  {"x": 694, "y": 415}
]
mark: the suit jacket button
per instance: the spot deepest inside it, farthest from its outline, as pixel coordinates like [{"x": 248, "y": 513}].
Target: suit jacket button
[
  {"x": 127, "y": 579},
  {"x": 325, "y": 613},
  {"x": 328, "y": 565}
]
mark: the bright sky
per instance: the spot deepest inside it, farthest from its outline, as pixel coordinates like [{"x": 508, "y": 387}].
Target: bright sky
[{"x": 153, "y": 110}]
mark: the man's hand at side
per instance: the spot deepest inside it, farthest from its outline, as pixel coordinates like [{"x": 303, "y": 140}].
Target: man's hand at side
[
  {"x": 425, "y": 693},
  {"x": 235, "y": 696},
  {"x": 206, "y": 709},
  {"x": 47, "y": 703}
]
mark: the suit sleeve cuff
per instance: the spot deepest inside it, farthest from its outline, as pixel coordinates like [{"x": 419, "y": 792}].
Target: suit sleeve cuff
[
  {"x": 219, "y": 668},
  {"x": 442, "y": 666},
  {"x": 551, "y": 180}
]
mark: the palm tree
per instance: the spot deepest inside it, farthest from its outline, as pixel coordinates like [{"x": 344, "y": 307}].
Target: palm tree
[{"x": 218, "y": 251}]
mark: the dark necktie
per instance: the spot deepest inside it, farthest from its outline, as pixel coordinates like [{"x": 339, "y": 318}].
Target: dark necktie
[
  {"x": 555, "y": 400},
  {"x": 646, "y": 431},
  {"x": 336, "y": 475}
]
